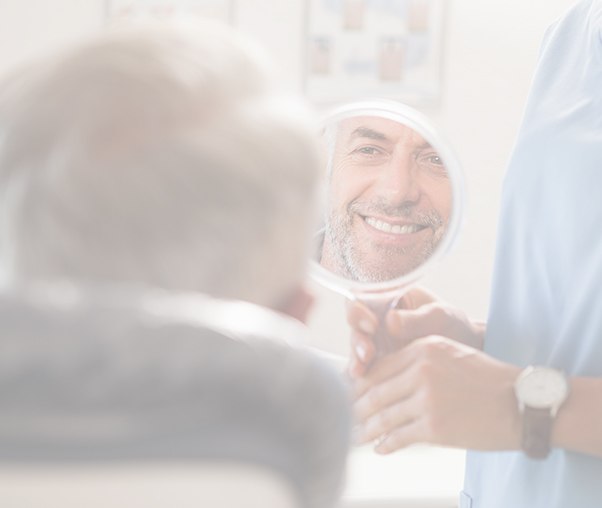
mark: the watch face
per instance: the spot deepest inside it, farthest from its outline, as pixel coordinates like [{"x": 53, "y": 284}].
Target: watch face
[{"x": 541, "y": 387}]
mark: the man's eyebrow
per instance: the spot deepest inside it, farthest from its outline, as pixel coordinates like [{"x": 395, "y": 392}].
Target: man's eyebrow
[
  {"x": 366, "y": 132},
  {"x": 424, "y": 146}
]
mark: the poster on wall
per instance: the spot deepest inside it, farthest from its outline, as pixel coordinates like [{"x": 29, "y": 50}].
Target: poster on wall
[
  {"x": 119, "y": 11},
  {"x": 374, "y": 48}
]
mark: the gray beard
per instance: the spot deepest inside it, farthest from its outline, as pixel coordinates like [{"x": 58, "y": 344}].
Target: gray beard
[{"x": 354, "y": 264}]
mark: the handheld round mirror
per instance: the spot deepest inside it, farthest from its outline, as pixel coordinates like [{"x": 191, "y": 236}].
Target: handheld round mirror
[{"x": 393, "y": 200}]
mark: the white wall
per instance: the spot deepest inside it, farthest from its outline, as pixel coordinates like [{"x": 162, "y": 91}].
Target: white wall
[
  {"x": 490, "y": 51},
  {"x": 31, "y": 27}
]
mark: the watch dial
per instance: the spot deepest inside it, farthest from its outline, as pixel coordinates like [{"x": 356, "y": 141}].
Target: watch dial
[{"x": 542, "y": 388}]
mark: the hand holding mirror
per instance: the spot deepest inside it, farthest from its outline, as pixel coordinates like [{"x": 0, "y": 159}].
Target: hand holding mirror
[{"x": 392, "y": 207}]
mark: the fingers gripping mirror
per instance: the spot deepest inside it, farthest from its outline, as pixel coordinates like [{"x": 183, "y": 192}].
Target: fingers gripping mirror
[{"x": 393, "y": 196}]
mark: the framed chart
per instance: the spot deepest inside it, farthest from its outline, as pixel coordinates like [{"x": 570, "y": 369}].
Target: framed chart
[
  {"x": 374, "y": 48},
  {"x": 119, "y": 11}
]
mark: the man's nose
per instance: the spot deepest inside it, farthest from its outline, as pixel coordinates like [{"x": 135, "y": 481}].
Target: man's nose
[{"x": 398, "y": 181}]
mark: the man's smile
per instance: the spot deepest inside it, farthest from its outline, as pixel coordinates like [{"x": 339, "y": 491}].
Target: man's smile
[{"x": 393, "y": 227}]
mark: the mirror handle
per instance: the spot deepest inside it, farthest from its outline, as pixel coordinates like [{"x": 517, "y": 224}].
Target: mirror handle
[{"x": 383, "y": 342}]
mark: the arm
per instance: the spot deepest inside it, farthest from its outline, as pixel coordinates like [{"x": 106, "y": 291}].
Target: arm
[
  {"x": 578, "y": 425},
  {"x": 439, "y": 391},
  {"x": 442, "y": 392}
]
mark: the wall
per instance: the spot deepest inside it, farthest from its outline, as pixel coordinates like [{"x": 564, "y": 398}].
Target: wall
[
  {"x": 31, "y": 27},
  {"x": 490, "y": 51}
]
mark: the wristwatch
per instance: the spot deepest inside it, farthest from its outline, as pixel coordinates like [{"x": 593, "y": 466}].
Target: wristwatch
[{"x": 540, "y": 391}]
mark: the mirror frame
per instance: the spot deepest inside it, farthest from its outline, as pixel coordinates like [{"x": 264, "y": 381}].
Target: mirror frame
[{"x": 409, "y": 117}]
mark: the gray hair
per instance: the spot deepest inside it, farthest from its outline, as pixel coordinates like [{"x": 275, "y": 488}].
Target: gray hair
[{"x": 156, "y": 157}]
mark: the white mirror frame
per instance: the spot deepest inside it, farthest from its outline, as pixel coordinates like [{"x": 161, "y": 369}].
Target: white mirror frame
[{"x": 408, "y": 116}]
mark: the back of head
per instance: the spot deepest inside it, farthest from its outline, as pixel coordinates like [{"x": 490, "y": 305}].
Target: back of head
[{"x": 156, "y": 157}]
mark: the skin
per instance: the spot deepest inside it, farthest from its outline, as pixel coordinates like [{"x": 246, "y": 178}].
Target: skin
[
  {"x": 438, "y": 387},
  {"x": 383, "y": 171}
]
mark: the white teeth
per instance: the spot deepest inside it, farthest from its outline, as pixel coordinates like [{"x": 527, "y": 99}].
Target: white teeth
[{"x": 396, "y": 229}]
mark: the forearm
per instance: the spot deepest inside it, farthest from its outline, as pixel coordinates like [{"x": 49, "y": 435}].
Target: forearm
[{"x": 578, "y": 425}]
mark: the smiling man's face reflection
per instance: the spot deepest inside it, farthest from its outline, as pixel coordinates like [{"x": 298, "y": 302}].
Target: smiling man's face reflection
[{"x": 389, "y": 200}]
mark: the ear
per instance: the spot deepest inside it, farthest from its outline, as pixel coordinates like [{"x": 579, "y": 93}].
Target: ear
[{"x": 299, "y": 304}]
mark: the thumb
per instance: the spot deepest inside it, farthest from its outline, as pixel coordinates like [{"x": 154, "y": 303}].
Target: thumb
[
  {"x": 361, "y": 318},
  {"x": 416, "y": 297},
  {"x": 408, "y": 325}
]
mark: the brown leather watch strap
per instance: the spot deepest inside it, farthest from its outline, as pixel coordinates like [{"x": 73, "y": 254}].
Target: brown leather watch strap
[{"x": 537, "y": 430}]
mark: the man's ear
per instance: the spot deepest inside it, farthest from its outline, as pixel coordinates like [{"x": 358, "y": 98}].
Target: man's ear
[{"x": 299, "y": 304}]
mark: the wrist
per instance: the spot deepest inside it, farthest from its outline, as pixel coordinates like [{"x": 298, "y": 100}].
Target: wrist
[
  {"x": 540, "y": 393},
  {"x": 579, "y": 420},
  {"x": 512, "y": 422},
  {"x": 500, "y": 424}
]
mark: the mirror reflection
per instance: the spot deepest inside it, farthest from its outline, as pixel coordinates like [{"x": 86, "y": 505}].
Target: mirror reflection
[{"x": 388, "y": 203}]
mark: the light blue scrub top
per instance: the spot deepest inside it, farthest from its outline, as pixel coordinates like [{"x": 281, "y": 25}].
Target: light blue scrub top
[{"x": 546, "y": 306}]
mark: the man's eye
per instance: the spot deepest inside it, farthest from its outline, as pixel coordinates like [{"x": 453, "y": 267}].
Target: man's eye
[
  {"x": 433, "y": 159},
  {"x": 370, "y": 151},
  {"x": 433, "y": 163}
]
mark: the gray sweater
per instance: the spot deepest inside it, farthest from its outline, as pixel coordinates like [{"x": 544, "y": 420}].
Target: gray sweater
[{"x": 112, "y": 378}]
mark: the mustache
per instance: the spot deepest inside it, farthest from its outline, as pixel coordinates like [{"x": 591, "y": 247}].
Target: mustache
[{"x": 427, "y": 218}]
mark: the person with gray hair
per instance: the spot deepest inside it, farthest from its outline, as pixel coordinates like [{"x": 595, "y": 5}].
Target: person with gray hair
[
  {"x": 156, "y": 159},
  {"x": 156, "y": 206}
]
